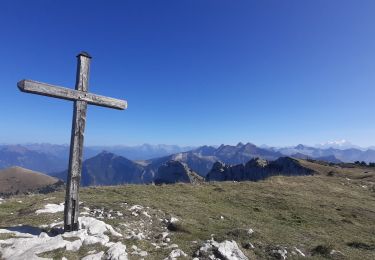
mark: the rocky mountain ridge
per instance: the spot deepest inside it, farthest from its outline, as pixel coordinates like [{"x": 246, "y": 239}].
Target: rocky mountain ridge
[
  {"x": 110, "y": 169},
  {"x": 49, "y": 158},
  {"x": 257, "y": 169}
]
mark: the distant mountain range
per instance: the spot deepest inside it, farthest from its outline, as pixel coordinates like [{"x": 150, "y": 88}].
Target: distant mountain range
[
  {"x": 17, "y": 155},
  {"x": 110, "y": 169},
  {"x": 102, "y": 168},
  {"x": 138, "y": 152},
  {"x": 49, "y": 158},
  {"x": 343, "y": 155}
]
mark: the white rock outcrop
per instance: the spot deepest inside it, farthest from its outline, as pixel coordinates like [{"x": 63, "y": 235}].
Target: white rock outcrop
[
  {"x": 176, "y": 253},
  {"x": 51, "y": 208},
  {"x": 227, "y": 250},
  {"x": 117, "y": 252},
  {"x": 31, "y": 242}
]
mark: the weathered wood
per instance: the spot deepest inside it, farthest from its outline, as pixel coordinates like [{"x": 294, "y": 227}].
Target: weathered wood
[
  {"x": 44, "y": 89},
  {"x": 71, "y": 209},
  {"x": 81, "y": 98}
]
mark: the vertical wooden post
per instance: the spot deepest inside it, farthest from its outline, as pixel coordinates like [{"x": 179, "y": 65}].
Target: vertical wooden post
[
  {"x": 81, "y": 98},
  {"x": 71, "y": 210}
]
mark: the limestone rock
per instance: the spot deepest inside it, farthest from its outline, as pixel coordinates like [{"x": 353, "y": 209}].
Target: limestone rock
[
  {"x": 175, "y": 171},
  {"x": 176, "y": 253},
  {"x": 117, "y": 252},
  {"x": 227, "y": 250},
  {"x": 97, "y": 256}
]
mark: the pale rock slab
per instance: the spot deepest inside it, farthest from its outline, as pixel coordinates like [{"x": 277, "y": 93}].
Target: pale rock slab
[
  {"x": 34, "y": 242},
  {"x": 117, "y": 252},
  {"x": 227, "y": 250},
  {"x": 74, "y": 246},
  {"x": 96, "y": 227},
  {"x": 51, "y": 208},
  {"x": 230, "y": 251},
  {"x": 29, "y": 248},
  {"x": 97, "y": 256}
]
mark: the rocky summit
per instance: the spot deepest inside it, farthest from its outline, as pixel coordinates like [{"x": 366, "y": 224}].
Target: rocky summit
[
  {"x": 257, "y": 169},
  {"x": 174, "y": 172}
]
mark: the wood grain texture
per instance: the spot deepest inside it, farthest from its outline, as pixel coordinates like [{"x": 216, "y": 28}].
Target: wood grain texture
[
  {"x": 44, "y": 89},
  {"x": 76, "y": 148}
]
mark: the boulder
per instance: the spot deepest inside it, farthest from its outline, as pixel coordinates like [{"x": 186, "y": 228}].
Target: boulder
[{"x": 227, "y": 250}]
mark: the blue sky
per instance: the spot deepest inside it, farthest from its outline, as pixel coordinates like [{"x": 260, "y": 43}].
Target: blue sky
[{"x": 193, "y": 72}]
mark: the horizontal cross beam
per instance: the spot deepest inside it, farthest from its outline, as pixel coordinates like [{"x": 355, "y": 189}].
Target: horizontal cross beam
[{"x": 44, "y": 89}]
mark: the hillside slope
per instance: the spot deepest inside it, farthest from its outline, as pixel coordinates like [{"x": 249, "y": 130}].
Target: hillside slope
[{"x": 20, "y": 180}]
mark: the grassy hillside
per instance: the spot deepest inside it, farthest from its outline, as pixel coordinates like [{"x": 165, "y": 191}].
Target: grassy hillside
[
  {"x": 332, "y": 210},
  {"x": 21, "y": 180}
]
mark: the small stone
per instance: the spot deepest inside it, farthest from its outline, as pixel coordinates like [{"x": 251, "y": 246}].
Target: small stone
[
  {"x": 249, "y": 245},
  {"x": 173, "y": 220},
  {"x": 162, "y": 236},
  {"x": 138, "y": 236},
  {"x": 278, "y": 252},
  {"x": 336, "y": 253},
  {"x": 299, "y": 251},
  {"x": 146, "y": 214},
  {"x": 135, "y": 208},
  {"x": 176, "y": 253}
]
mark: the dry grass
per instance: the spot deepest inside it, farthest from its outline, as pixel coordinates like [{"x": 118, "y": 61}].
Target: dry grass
[{"x": 310, "y": 212}]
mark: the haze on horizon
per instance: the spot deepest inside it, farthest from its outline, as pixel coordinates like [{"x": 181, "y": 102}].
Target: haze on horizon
[
  {"x": 338, "y": 144},
  {"x": 194, "y": 73}
]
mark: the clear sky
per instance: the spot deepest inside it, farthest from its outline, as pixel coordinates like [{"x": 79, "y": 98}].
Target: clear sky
[{"x": 193, "y": 71}]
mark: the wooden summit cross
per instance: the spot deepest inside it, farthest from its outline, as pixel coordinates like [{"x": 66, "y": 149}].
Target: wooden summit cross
[{"x": 81, "y": 98}]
